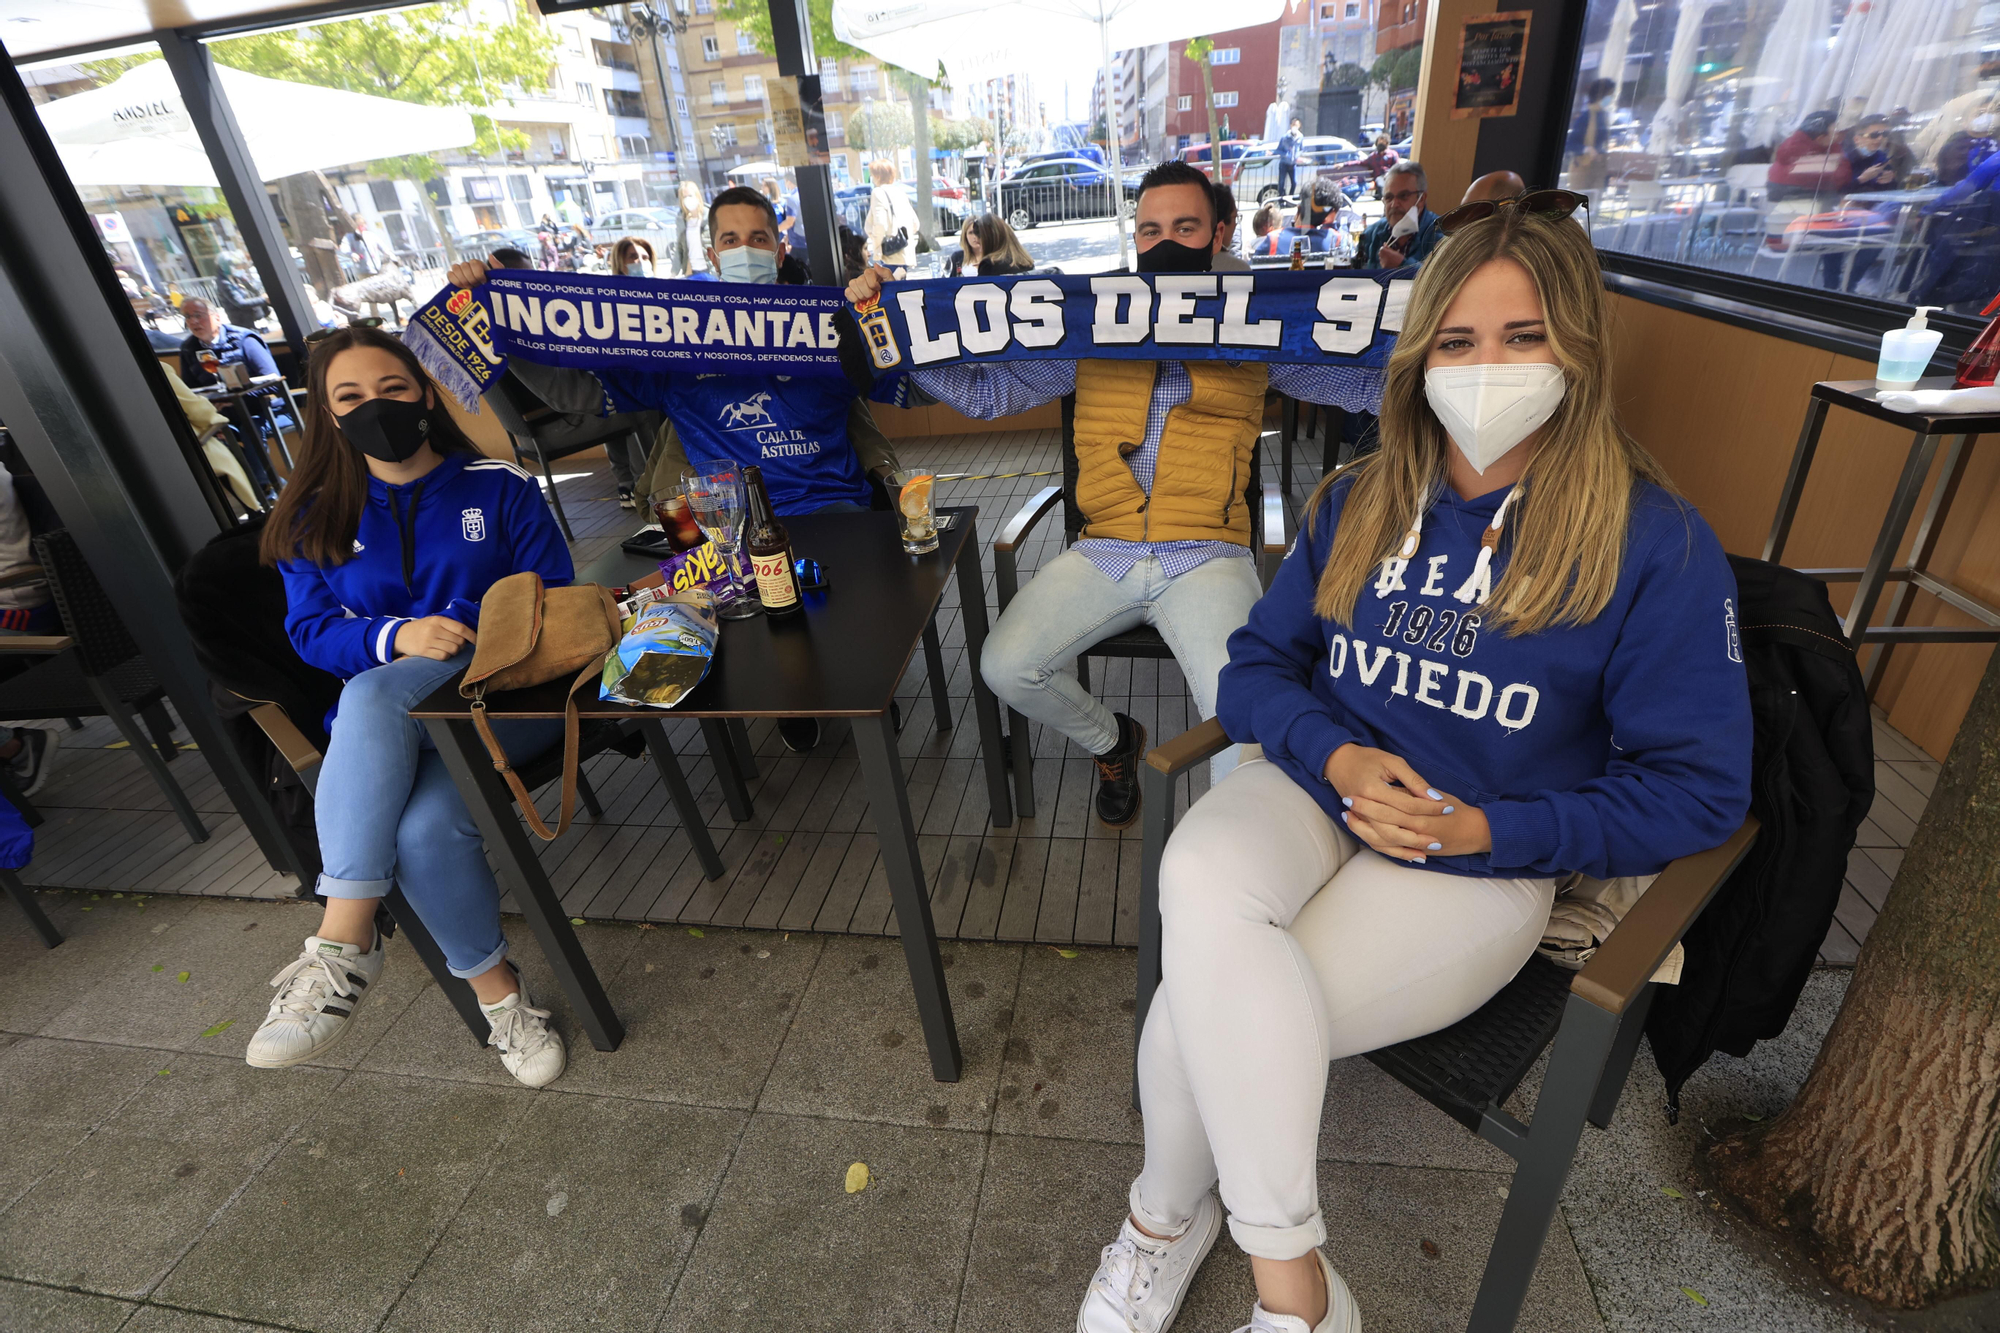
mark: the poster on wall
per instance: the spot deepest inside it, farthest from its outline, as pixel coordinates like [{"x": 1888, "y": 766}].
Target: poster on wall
[
  {"x": 1492, "y": 50},
  {"x": 798, "y": 123}
]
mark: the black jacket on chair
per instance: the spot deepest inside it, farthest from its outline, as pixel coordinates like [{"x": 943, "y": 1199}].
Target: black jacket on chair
[
  {"x": 234, "y": 609},
  {"x": 1813, "y": 779}
]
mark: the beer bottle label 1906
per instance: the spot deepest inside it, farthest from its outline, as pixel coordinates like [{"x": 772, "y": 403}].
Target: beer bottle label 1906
[{"x": 775, "y": 587}]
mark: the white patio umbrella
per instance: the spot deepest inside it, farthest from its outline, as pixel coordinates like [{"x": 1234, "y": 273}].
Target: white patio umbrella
[
  {"x": 1916, "y": 55},
  {"x": 135, "y": 131},
  {"x": 1617, "y": 40},
  {"x": 1794, "y": 52},
  {"x": 1680, "y": 76},
  {"x": 1860, "y": 30},
  {"x": 976, "y": 40}
]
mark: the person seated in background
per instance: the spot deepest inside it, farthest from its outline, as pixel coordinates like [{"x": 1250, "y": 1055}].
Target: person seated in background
[
  {"x": 1226, "y": 258},
  {"x": 988, "y": 248},
  {"x": 26, "y": 607},
  {"x": 1265, "y": 224},
  {"x": 1378, "y": 162},
  {"x": 835, "y": 446},
  {"x": 1572, "y": 705},
  {"x": 1319, "y": 205},
  {"x": 1162, "y": 450},
  {"x": 391, "y": 533},
  {"x": 1495, "y": 186},
  {"x": 577, "y": 399},
  {"x": 1407, "y": 230},
  {"x": 232, "y": 345},
  {"x": 633, "y": 257},
  {"x": 1877, "y": 158},
  {"x": 208, "y": 423},
  {"x": 1808, "y": 164}
]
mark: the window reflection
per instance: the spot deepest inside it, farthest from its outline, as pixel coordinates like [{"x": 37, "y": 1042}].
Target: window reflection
[{"x": 1845, "y": 145}]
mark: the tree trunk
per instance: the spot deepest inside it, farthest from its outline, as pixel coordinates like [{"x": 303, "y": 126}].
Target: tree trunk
[
  {"x": 1884, "y": 1165},
  {"x": 1214, "y": 131},
  {"x": 305, "y": 210}
]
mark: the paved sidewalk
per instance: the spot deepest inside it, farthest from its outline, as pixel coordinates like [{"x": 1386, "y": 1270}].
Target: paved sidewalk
[{"x": 693, "y": 1180}]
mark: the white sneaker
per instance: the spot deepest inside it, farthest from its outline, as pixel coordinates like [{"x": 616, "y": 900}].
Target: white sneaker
[
  {"x": 1140, "y": 1280},
  {"x": 1342, "y": 1314},
  {"x": 37, "y": 759},
  {"x": 318, "y": 993},
  {"x": 532, "y": 1051}
]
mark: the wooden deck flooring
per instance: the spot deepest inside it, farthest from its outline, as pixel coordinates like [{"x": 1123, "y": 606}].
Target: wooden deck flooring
[{"x": 808, "y": 859}]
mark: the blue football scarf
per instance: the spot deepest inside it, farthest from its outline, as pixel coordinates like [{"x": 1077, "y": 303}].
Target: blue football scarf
[{"x": 596, "y": 322}]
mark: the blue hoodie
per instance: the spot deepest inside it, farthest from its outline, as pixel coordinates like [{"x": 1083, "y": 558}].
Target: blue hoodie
[
  {"x": 1609, "y": 748},
  {"x": 431, "y": 548}
]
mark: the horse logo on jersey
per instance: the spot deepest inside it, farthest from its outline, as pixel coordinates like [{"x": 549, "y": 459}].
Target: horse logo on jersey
[
  {"x": 473, "y": 523},
  {"x": 748, "y": 414}
]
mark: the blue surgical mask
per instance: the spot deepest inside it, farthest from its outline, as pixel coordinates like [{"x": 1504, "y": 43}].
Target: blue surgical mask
[
  {"x": 638, "y": 268},
  {"x": 746, "y": 263}
]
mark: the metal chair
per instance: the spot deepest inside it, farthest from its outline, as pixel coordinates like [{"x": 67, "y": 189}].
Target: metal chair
[
  {"x": 1267, "y": 544},
  {"x": 24, "y": 898},
  {"x": 539, "y": 430},
  {"x": 96, "y": 671},
  {"x": 1594, "y": 1017}
]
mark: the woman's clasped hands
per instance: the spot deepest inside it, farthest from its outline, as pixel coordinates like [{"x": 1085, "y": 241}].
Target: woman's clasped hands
[
  {"x": 439, "y": 638},
  {"x": 1397, "y": 813}
]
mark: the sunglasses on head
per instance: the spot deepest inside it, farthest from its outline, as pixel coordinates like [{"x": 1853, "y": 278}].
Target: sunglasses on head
[{"x": 1542, "y": 203}]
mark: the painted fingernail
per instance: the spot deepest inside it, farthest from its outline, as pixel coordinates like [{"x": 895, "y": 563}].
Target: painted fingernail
[
  {"x": 1418, "y": 860},
  {"x": 1436, "y": 847},
  {"x": 1434, "y": 795},
  {"x": 1343, "y": 816},
  {"x": 1448, "y": 809},
  {"x": 1347, "y": 801}
]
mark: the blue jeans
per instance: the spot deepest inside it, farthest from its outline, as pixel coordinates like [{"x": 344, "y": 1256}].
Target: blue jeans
[
  {"x": 388, "y": 813},
  {"x": 1070, "y": 604}
]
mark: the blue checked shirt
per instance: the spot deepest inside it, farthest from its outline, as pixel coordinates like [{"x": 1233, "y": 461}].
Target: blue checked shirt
[{"x": 998, "y": 390}]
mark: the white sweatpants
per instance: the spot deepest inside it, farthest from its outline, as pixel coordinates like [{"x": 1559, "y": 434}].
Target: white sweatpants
[{"x": 1287, "y": 945}]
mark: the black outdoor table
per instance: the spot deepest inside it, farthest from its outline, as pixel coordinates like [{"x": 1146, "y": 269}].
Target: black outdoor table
[
  {"x": 1927, "y": 431},
  {"x": 841, "y": 657}
]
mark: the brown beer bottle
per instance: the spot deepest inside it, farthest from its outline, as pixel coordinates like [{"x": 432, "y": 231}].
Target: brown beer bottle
[
  {"x": 1298, "y": 253},
  {"x": 770, "y": 548}
]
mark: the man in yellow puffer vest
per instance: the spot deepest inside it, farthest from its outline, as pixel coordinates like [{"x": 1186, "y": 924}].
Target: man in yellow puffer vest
[{"x": 1163, "y": 457}]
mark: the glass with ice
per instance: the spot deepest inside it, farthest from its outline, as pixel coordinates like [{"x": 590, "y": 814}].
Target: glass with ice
[
  {"x": 716, "y": 500},
  {"x": 913, "y": 504}
]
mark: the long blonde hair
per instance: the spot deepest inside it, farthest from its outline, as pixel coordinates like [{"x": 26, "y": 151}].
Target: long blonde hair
[{"x": 1565, "y": 534}]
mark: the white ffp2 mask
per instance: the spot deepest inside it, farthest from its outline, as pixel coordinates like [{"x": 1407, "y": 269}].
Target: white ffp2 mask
[{"x": 1489, "y": 409}]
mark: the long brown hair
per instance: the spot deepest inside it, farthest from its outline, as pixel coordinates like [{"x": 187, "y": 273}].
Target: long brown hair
[
  {"x": 319, "y": 511},
  {"x": 625, "y": 247},
  {"x": 1566, "y": 533},
  {"x": 999, "y": 248}
]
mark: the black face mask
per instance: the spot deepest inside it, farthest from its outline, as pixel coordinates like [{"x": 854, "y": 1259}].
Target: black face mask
[
  {"x": 387, "y": 428},
  {"x": 1172, "y": 257}
]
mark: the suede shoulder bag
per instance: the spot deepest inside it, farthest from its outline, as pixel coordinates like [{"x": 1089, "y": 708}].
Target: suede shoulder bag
[{"x": 530, "y": 635}]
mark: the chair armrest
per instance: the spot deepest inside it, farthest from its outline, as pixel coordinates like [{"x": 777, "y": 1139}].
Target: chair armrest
[
  {"x": 1189, "y": 748},
  {"x": 291, "y": 742},
  {"x": 25, "y": 574},
  {"x": 35, "y": 643},
  {"x": 1274, "y": 519},
  {"x": 1025, "y": 518},
  {"x": 1626, "y": 961}
]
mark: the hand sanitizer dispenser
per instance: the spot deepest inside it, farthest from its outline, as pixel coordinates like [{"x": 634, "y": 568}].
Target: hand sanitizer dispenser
[{"x": 1906, "y": 352}]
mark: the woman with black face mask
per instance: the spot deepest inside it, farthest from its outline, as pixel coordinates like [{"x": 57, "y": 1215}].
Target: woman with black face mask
[{"x": 392, "y": 529}]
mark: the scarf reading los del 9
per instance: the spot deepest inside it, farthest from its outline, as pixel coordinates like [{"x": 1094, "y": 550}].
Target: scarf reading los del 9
[{"x": 597, "y": 322}]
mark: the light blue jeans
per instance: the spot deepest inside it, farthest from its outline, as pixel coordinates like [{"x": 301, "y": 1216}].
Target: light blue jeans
[
  {"x": 1029, "y": 659},
  {"x": 388, "y": 813}
]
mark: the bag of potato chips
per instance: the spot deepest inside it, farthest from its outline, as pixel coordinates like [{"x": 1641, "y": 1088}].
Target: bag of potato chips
[{"x": 667, "y": 646}]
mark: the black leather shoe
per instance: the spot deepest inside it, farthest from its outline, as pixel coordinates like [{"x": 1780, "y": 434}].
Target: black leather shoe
[
  {"x": 800, "y": 734},
  {"x": 1118, "y": 775}
]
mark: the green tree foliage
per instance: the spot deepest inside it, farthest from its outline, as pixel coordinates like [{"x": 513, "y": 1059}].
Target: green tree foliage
[
  {"x": 881, "y": 126},
  {"x": 430, "y": 55},
  {"x": 754, "y": 17},
  {"x": 959, "y": 135},
  {"x": 1348, "y": 75},
  {"x": 1396, "y": 70}
]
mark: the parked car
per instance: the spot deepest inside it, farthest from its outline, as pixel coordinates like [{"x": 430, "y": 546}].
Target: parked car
[
  {"x": 1197, "y": 155},
  {"x": 1065, "y": 190},
  {"x": 483, "y": 243},
  {"x": 1088, "y": 153},
  {"x": 945, "y": 188},
  {"x": 1254, "y": 176},
  {"x": 655, "y": 225}
]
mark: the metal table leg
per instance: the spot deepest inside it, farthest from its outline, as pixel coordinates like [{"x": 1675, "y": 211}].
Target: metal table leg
[
  {"x": 1795, "y": 480},
  {"x": 889, "y": 804},
  {"x": 492, "y": 807},
  {"x": 676, "y": 782},
  {"x": 1956, "y": 455},
  {"x": 746, "y": 753},
  {"x": 972, "y": 604},
  {"x": 723, "y": 754},
  {"x": 934, "y": 667},
  {"x": 1923, "y": 448}
]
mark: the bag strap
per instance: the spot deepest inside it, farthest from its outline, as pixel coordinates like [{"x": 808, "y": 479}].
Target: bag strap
[{"x": 571, "y": 744}]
